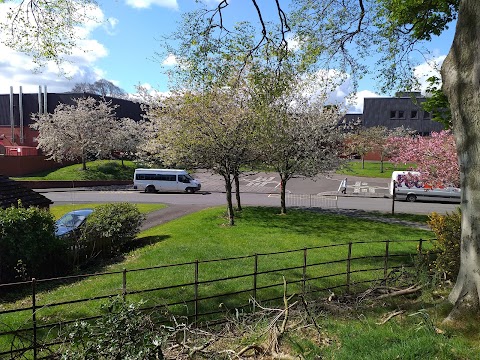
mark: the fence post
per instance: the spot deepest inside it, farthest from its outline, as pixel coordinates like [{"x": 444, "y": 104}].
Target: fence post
[
  {"x": 420, "y": 246},
  {"x": 310, "y": 197},
  {"x": 385, "y": 260},
  {"x": 255, "y": 272},
  {"x": 124, "y": 284},
  {"x": 196, "y": 293},
  {"x": 349, "y": 264},
  {"x": 304, "y": 280},
  {"x": 34, "y": 317}
]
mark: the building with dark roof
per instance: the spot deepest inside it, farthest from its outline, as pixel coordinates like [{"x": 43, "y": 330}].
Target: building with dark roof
[
  {"x": 11, "y": 192},
  {"x": 18, "y": 140},
  {"x": 16, "y": 113},
  {"x": 402, "y": 110}
]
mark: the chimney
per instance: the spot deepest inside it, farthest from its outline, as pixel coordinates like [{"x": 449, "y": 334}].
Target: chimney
[
  {"x": 20, "y": 109},
  {"x": 12, "y": 122},
  {"x": 45, "y": 99},
  {"x": 40, "y": 100}
]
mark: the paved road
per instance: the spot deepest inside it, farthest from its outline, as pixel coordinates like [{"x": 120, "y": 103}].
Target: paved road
[
  {"x": 257, "y": 189},
  {"x": 270, "y": 183}
]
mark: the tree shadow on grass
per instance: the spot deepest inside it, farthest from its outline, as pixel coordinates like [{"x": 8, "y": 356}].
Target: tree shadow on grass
[{"x": 94, "y": 265}]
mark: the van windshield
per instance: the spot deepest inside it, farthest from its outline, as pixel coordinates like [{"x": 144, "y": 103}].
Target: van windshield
[{"x": 184, "y": 178}]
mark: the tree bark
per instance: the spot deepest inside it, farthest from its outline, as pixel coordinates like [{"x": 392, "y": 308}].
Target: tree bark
[
  {"x": 237, "y": 191},
  {"x": 461, "y": 84},
  {"x": 228, "y": 191},
  {"x": 283, "y": 185}
]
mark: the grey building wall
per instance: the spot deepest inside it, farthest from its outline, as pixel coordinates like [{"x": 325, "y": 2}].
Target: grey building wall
[{"x": 404, "y": 110}]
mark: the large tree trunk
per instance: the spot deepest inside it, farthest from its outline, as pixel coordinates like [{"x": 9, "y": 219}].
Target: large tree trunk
[{"x": 461, "y": 84}]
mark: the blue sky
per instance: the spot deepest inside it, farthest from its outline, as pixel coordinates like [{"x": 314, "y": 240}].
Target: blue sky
[{"x": 121, "y": 47}]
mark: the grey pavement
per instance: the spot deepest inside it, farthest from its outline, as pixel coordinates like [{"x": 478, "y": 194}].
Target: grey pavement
[{"x": 269, "y": 183}]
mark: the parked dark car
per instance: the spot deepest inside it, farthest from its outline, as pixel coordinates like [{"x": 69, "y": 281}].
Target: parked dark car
[{"x": 71, "y": 222}]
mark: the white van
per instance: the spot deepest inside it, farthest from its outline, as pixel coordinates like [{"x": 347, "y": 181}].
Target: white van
[
  {"x": 152, "y": 180},
  {"x": 409, "y": 187}
]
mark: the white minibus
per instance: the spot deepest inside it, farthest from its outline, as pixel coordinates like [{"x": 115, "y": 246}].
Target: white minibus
[
  {"x": 153, "y": 180},
  {"x": 409, "y": 187}
]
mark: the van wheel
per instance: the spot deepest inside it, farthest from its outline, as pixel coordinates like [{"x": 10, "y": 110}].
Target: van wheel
[
  {"x": 411, "y": 198},
  {"x": 150, "y": 189},
  {"x": 190, "y": 190}
]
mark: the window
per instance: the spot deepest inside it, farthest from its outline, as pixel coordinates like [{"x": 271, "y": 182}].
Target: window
[
  {"x": 397, "y": 115},
  {"x": 414, "y": 114},
  {"x": 158, "y": 177},
  {"x": 426, "y": 115}
]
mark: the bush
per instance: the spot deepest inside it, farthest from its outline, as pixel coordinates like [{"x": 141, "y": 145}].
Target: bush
[
  {"x": 447, "y": 229},
  {"x": 122, "y": 332},
  {"x": 28, "y": 246},
  {"x": 117, "y": 223}
]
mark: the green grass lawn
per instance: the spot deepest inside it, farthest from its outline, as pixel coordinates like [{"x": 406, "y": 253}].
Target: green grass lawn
[
  {"x": 113, "y": 170},
  {"x": 59, "y": 210},
  {"x": 203, "y": 235},
  {"x": 372, "y": 169},
  {"x": 96, "y": 170}
]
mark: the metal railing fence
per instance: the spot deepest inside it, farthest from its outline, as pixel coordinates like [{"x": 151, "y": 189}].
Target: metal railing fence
[{"x": 200, "y": 290}]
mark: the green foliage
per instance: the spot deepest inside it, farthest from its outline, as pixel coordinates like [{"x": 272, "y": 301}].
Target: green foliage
[
  {"x": 421, "y": 19},
  {"x": 28, "y": 246},
  {"x": 117, "y": 222},
  {"x": 122, "y": 332},
  {"x": 447, "y": 228},
  {"x": 437, "y": 104}
]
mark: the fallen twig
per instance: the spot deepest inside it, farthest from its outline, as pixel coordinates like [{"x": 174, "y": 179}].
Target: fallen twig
[
  {"x": 390, "y": 316},
  {"x": 410, "y": 290}
]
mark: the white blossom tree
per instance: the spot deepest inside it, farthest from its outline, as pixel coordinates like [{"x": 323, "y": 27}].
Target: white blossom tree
[
  {"x": 127, "y": 136},
  {"x": 301, "y": 137},
  {"x": 212, "y": 130},
  {"x": 73, "y": 132}
]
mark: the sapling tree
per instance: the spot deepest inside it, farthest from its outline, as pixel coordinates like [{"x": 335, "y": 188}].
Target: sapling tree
[
  {"x": 73, "y": 132},
  {"x": 374, "y": 139},
  {"x": 362, "y": 142}
]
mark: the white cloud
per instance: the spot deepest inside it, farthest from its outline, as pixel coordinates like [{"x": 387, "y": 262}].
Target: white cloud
[
  {"x": 355, "y": 101},
  {"x": 145, "y": 4},
  {"x": 18, "y": 69},
  {"x": 109, "y": 25},
  {"x": 170, "y": 60},
  {"x": 427, "y": 69},
  {"x": 338, "y": 88}
]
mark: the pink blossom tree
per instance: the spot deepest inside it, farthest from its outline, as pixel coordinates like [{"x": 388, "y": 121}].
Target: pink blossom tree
[{"x": 435, "y": 157}]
